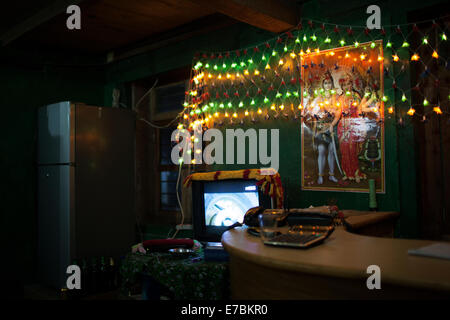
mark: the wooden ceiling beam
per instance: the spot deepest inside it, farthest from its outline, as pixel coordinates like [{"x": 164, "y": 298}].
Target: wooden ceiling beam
[
  {"x": 272, "y": 15},
  {"x": 36, "y": 20}
]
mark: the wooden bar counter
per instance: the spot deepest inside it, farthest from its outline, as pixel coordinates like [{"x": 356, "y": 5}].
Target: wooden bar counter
[{"x": 336, "y": 269}]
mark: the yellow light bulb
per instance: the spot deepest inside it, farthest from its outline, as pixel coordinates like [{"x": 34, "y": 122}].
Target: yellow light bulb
[
  {"x": 395, "y": 57},
  {"x": 293, "y": 55},
  {"x": 246, "y": 112},
  {"x": 391, "y": 110},
  {"x": 256, "y": 72},
  {"x": 259, "y": 111},
  {"x": 281, "y": 107},
  {"x": 437, "y": 109},
  {"x": 267, "y": 66},
  {"x": 273, "y": 107},
  {"x": 280, "y": 62},
  {"x": 435, "y": 54},
  {"x": 216, "y": 114},
  {"x": 415, "y": 57},
  {"x": 411, "y": 111},
  {"x": 246, "y": 72}
]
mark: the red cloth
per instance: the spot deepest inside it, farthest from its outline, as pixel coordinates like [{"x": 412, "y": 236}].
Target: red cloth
[
  {"x": 168, "y": 243},
  {"x": 351, "y": 134}
]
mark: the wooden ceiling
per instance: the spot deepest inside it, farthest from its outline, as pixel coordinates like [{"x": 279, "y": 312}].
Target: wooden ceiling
[{"x": 111, "y": 24}]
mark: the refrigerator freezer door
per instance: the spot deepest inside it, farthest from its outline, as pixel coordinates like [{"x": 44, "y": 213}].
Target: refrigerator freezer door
[
  {"x": 55, "y": 205},
  {"x": 55, "y": 133}
]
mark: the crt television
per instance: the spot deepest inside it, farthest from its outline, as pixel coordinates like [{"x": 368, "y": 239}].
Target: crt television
[{"x": 219, "y": 204}]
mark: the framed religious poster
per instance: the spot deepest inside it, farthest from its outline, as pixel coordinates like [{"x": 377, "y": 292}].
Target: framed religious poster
[{"x": 342, "y": 124}]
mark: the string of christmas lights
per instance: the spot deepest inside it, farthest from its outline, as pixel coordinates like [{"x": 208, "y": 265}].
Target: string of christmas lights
[{"x": 272, "y": 80}]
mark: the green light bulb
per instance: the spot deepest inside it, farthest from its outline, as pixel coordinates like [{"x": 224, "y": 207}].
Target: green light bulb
[
  {"x": 230, "y": 105},
  {"x": 274, "y": 52},
  {"x": 266, "y": 100},
  {"x": 327, "y": 40},
  {"x": 185, "y": 104},
  {"x": 389, "y": 45},
  {"x": 425, "y": 102},
  {"x": 242, "y": 63},
  {"x": 278, "y": 95},
  {"x": 444, "y": 37},
  {"x": 263, "y": 58},
  {"x": 384, "y": 99},
  {"x": 207, "y": 65},
  {"x": 372, "y": 45},
  {"x": 405, "y": 44},
  {"x": 296, "y": 94},
  {"x": 404, "y": 98},
  {"x": 288, "y": 94},
  {"x": 241, "y": 104},
  {"x": 305, "y": 38},
  {"x": 285, "y": 49},
  {"x": 233, "y": 65},
  {"x": 221, "y": 106},
  {"x": 313, "y": 37},
  {"x": 356, "y": 44},
  {"x": 297, "y": 40},
  {"x": 215, "y": 67},
  {"x": 253, "y": 102},
  {"x": 224, "y": 65},
  {"x": 342, "y": 42},
  {"x": 425, "y": 40},
  {"x": 250, "y": 61}
]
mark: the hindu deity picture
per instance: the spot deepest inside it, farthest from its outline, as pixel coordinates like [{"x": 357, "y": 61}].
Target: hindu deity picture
[{"x": 342, "y": 124}]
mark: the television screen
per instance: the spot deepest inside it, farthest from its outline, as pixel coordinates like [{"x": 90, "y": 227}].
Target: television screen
[
  {"x": 219, "y": 204},
  {"x": 226, "y": 202}
]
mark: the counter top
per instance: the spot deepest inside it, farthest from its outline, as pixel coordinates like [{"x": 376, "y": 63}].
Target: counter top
[{"x": 347, "y": 255}]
